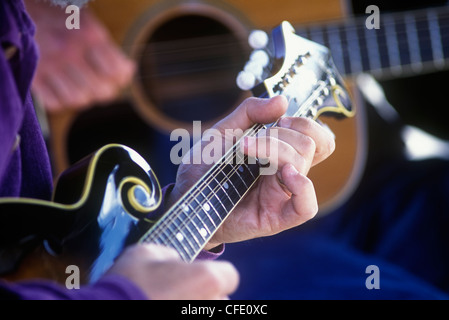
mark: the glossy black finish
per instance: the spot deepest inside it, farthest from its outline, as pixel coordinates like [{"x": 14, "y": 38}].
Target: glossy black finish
[{"x": 94, "y": 223}]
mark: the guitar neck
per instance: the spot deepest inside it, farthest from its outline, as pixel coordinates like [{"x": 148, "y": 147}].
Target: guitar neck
[
  {"x": 192, "y": 221},
  {"x": 406, "y": 43}
]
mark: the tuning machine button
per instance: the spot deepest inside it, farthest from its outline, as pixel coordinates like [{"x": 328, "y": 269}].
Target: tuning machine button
[
  {"x": 261, "y": 57},
  {"x": 258, "y": 39},
  {"x": 246, "y": 80}
]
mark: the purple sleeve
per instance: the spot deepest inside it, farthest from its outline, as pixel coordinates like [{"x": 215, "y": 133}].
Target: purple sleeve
[{"x": 110, "y": 287}]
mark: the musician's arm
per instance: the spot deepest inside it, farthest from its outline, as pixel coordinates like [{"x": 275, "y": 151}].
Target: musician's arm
[{"x": 111, "y": 287}]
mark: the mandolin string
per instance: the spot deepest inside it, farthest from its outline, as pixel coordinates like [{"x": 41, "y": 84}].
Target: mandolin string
[
  {"x": 219, "y": 168},
  {"x": 177, "y": 210},
  {"x": 192, "y": 195},
  {"x": 184, "y": 225},
  {"x": 171, "y": 217},
  {"x": 189, "y": 219}
]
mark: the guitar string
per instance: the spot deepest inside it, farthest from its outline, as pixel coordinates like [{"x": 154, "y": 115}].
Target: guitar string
[
  {"x": 232, "y": 60},
  {"x": 339, "y": 23},
  {"x": 348, "y": 37}
]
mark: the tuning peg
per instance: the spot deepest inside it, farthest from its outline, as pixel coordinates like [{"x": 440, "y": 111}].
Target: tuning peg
[
  {"x": 255, "y": 68},
  {"x": 246, "y": 80},
  {"x": 260, "y": 57},
  {"x": 258, "y": 39}
]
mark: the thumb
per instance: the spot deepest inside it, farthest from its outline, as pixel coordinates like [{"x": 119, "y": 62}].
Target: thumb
[{"x": 254, "y": 110}]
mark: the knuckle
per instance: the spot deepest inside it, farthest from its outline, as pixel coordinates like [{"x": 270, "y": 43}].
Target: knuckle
[
  {"x": 300, "y": 163},
  {"x": 309, "y": 145},
  {"x": 312, "y": 208},
  {"x": 331, "y": 146},
  {"x": 157, "y": 251}
]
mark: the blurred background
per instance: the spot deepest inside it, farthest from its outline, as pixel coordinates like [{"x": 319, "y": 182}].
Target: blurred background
[{"x": 186, "y": 56}]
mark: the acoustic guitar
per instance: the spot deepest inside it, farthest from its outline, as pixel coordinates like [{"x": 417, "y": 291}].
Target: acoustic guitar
[
  {"x": 189, "y": 52},
  {"x": 105, "y": 202}
]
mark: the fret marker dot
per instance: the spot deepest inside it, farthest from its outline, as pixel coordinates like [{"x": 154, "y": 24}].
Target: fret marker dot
[
  {"x": 179, "y": 236},
  {"x": 241, "y": 169},
  {"x": 203, "y": 232},
  {"x": 226, "y": 185},
  {"x": 185, "y": 208},
  {"x": 206, "y": 207}
]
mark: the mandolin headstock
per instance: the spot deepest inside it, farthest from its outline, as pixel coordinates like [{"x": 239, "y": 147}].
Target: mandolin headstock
[{"x": 302, "y": 70}]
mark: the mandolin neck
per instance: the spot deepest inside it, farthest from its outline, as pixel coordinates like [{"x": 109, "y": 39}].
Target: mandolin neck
[
  {"x": 193, "y": 220},
  {"x": 406, "y": 43}
]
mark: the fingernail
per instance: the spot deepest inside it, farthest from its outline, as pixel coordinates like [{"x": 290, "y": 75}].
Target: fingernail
[
  {"x": 285, "y": 122},
  {"x": 291, "y": 170}
]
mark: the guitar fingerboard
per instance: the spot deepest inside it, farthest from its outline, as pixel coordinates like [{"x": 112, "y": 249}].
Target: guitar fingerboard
[{"x": 405, "y": 43}]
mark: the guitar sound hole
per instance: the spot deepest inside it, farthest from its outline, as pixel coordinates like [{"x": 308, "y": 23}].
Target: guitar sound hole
[{"x": 188, "y": 66}]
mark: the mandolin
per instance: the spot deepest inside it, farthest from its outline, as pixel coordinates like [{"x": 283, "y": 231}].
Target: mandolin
[{"x": 109, "y": 199}]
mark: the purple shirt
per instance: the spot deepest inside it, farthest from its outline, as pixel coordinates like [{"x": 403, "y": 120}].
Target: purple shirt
[{"x": 24, "y": 164}]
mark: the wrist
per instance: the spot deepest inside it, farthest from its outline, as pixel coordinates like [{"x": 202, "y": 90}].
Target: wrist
[{"x": 213, "y": 247}]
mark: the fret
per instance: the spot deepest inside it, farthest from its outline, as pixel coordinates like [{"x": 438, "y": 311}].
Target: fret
[
  {"x": 443, "y": 21},
  {"x": 382, "y": 46},
  {"x": 435, "y": 39},
  {"x": 214, "y": 190},
  {"x": 303, "y": 32},
  {"x": 200, "y": 228},
  {"x": 316, "y": 34},
  {"x": 239, "y": 170},
  {"x": 347, "y": 65},
  {"x": 182, "y": 237},
  {"x": 252, "y": 167},
  {"x": 226, "y": 176},
  {"x": 424, "y": 38},
  {"x": 392, "y": 44},
  {"x": 222, "y": 194},
  {"x": 373, "y": 52},
  {"x": 205, "y": 208},
  {"x": 335, "y": 46},
  {"x": 189, "y": 217},
  {"x": 413, "y": 42},
  {"x": 402, "y": 42},
  {"x": 161, "y": 237},
  {"x": 174, "y": 231},
  {"x": 354, "y": 49}
]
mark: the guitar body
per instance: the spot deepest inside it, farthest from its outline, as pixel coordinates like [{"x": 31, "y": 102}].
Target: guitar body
[
  {"x": 167, "y": 102},
  {"x": 99, "y": 207}
]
